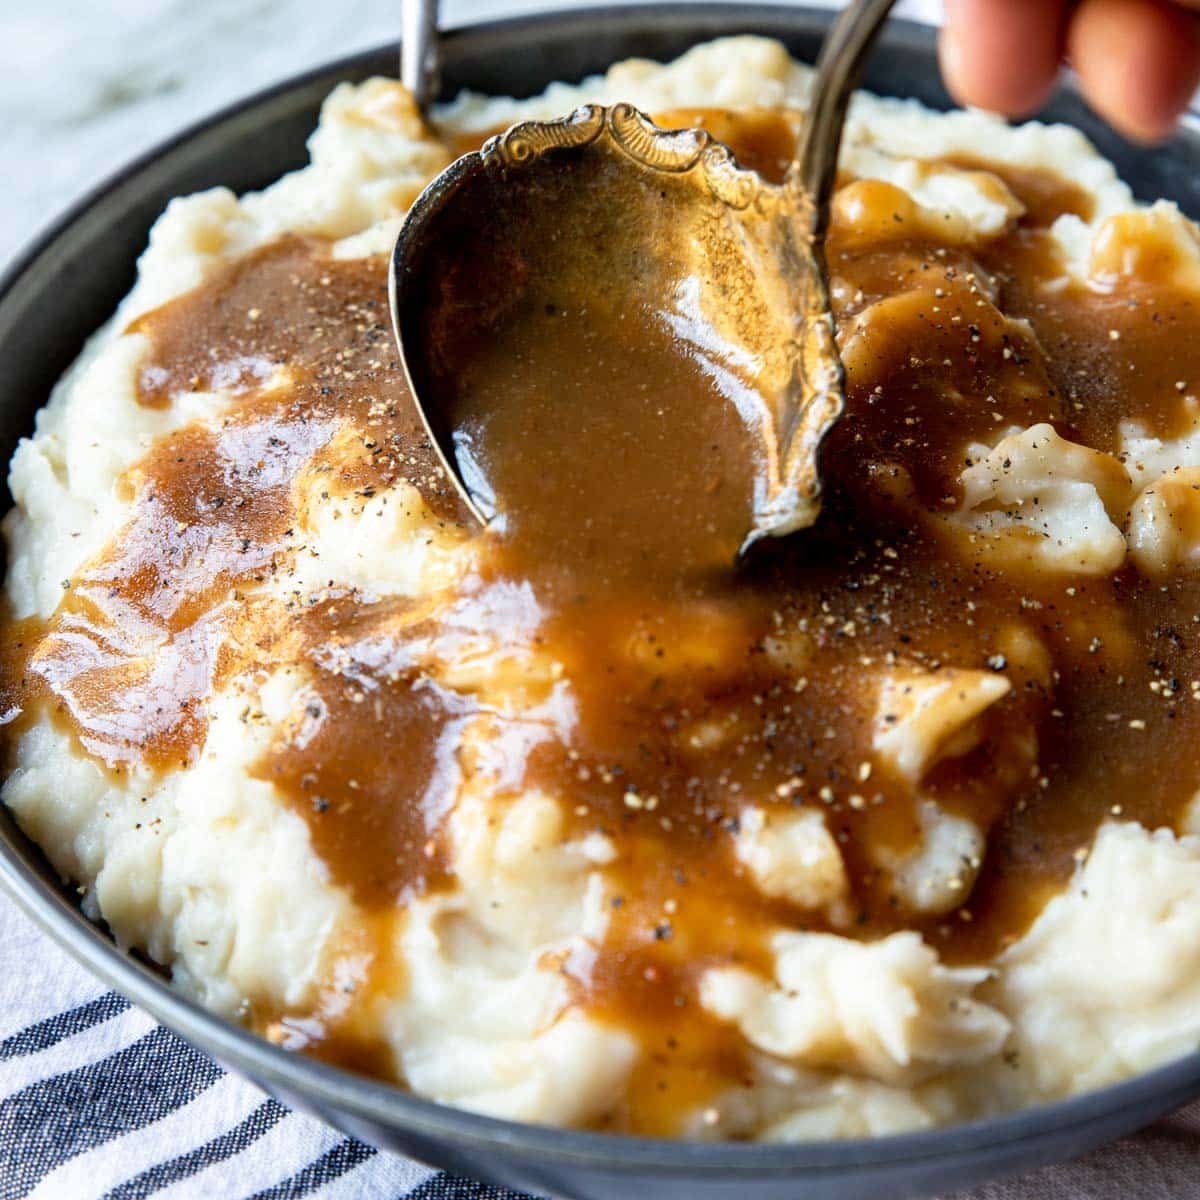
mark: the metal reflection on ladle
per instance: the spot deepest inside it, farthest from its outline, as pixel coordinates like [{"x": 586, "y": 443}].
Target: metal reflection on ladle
[{"x": 605, "y": 195}]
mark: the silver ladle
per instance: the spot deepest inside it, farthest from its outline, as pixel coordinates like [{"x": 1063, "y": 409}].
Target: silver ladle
[{"x": 748, "y": 255}]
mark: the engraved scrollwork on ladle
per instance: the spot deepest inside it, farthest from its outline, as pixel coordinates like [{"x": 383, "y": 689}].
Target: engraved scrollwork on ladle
[
  {"x": 636, "y": 136},
  {"x": 531, "y": 139}
]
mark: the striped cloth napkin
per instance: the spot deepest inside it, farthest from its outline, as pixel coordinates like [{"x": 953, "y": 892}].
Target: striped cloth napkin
[{"x": 97, "y": 1102}]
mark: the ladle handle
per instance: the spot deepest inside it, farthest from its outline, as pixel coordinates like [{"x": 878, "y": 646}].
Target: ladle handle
[
  {"x": 419, "y": 57},
  {"x": 839, "y": 66}
]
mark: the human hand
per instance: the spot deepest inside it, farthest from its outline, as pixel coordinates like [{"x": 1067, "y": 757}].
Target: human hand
[{"x": 1138, "y": 61}]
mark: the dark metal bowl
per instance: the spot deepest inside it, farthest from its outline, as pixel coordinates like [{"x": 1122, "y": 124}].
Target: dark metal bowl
[{"x": 69, "y": 283}]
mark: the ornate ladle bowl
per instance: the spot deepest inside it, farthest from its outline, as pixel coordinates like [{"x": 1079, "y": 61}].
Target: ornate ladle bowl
[{"x": 605, "y": 193}]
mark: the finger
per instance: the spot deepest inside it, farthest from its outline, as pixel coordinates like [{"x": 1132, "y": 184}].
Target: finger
[
  {"x": 1138, "y": 62},
  {"x": 1002, "y": 54}
]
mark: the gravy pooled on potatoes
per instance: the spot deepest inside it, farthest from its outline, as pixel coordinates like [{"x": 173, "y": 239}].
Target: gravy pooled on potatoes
[{"x": 931, "y": 700}]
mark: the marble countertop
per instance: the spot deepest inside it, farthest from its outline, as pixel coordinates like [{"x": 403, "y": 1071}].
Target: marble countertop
[{"x": 84, "y": 87}]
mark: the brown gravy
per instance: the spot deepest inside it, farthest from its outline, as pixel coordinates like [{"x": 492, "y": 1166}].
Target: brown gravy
[{"x": 683, "y": 670}]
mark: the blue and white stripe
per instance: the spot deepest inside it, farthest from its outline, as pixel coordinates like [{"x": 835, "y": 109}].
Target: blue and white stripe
[{"x": 97, "y": 1102}]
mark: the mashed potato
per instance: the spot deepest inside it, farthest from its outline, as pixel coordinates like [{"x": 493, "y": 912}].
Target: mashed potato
[{"x": 476, "y": 991}]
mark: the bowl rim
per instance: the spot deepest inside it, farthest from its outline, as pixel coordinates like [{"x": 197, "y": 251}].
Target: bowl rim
[{"x": 343, "y": 1091}]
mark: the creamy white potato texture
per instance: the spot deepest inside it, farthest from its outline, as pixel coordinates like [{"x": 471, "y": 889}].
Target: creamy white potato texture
[{"x": 212, "y": 874}]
